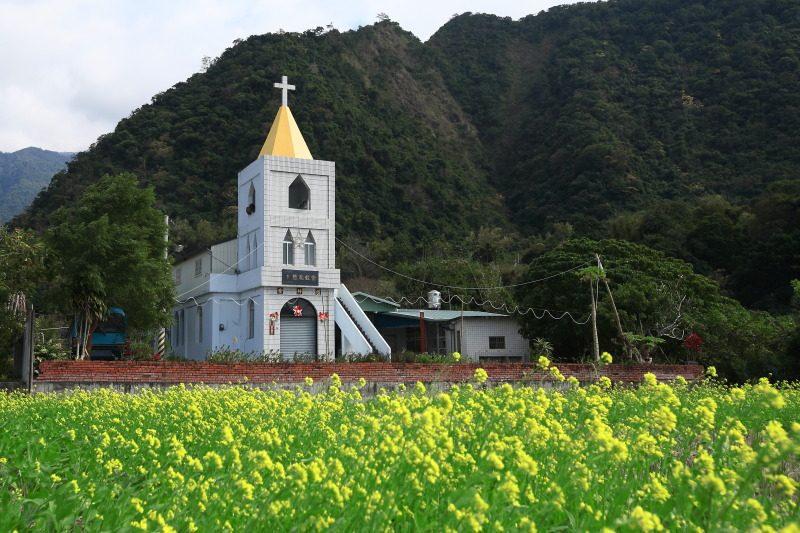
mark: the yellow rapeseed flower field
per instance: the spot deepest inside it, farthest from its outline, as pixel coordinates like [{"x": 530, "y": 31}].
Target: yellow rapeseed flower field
[{"x": 599, "y": 457}]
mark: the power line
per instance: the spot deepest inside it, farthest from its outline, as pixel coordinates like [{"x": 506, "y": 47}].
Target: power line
[
  {"x": 538, "y": 313},
  {"x": 551, "y": 276},
  {"x": 235, "y": 265}
]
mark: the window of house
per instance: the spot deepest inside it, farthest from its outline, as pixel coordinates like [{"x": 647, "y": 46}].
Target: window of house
[
  {"x": 497, "y": 343},
  {"x": 251, "y": 319},
  {"x": 299, "y": 194},
  {"x": 254, "y": 257},
  {"x": 310, "y": 247},
  {"x": 178, "y": 275},
  {"x": 200, "y": 324},
  {"x": 288, "y": 248},
  {"x": 251, "y": 200},
  {"x": 412, "y": 340},
  {"x": 198, "y": 267}
]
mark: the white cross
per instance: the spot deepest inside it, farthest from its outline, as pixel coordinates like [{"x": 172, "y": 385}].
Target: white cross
[{"x": 285, "y": 88}]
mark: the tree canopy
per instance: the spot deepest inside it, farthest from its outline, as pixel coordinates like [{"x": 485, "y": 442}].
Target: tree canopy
[
  {"x": 108, "y": 250},
  {"x": 657, "y": 297}
]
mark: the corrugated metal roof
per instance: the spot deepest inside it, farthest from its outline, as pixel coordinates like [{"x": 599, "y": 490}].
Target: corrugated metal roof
[{"x": 440, "y": 315}]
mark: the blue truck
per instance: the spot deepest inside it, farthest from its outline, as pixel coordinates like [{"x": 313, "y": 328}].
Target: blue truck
[{"x": 110, "y": 338}]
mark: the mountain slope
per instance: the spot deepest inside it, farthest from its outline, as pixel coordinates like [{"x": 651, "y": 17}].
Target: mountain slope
[
  {"x": 369, "y": 100},
  {"x": 671, "y": 124},
  {"x": 23, "y": 174},
  {"x": 668, "y": 123},
  {"x": 594, "y": 108}
]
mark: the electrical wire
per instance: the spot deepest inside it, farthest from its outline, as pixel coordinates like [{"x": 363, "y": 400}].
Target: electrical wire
[
  {"x": 511, "y": 310},
  {"x": 235, "y": 265},
  {"x": 551, "y": 276}
]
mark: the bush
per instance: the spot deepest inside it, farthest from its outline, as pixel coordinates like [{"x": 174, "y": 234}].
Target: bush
[{"x": 226, "y": 354}]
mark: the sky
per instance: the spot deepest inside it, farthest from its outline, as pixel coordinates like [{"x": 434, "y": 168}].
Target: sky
[{"x": 71, "y": 69}]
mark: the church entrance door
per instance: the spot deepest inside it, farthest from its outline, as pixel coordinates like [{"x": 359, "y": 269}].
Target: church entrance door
[{"x": 298, "y": 329}]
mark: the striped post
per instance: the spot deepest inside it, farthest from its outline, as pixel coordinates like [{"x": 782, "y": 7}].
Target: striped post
[{"x": 161, "y": 340}]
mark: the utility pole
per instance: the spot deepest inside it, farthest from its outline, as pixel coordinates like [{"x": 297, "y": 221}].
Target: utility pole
[
  {"x": 620, "y": 331},
  {"x": 594, "y": 294},
  {"x": 161, "y": 341}
]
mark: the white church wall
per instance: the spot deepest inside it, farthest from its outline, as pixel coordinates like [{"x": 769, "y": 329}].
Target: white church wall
[{"x": 224, "y": 257}]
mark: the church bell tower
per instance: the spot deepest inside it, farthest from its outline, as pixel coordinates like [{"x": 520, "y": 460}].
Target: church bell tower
[{"x": 286, "y": 245}]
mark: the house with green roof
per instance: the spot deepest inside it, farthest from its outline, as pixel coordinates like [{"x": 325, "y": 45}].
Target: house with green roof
[{"x": 477, "y": 335}]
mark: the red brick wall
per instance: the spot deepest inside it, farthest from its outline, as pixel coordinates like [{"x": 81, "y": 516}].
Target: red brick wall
[{"x": 203, "y": 372}]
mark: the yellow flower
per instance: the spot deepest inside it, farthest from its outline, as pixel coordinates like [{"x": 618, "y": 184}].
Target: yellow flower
[
  {"x": 711, "y": 372},
  {"x": 650, "y": 379},
  {"x": 643, "y": 520},
  {"x": 480, "y": 375},
  {"x": 362, "y": 382},
  {"x": 456, "y": 357},
  {"x": 543, "y": 362},
  {"x": 606, "y": 358},
  {"x": 309, "y": 381}
]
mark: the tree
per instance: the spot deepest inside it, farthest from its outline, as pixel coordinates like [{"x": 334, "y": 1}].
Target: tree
[
  {"x": 21, "y": 268},
  {"x": 657, "y": 301},
  {"x": 108, "y": 250}
]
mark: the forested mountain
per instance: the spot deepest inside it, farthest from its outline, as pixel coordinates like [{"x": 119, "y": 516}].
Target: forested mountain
[
  {"x": 671, "y": 124},
  {"x": 23, "y": 174}
]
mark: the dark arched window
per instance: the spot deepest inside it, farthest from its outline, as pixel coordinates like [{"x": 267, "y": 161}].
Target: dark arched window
[
  {"x": 249, "y": 253},
  {"x": 288, "y": 248},
  {"x": 200, "y": 324},
  {"x": 310, "y": 247},
  {"x": 299, "y": 194},
  {"x": 251, "y": 319},
  {"x": 251, "y": 200}
]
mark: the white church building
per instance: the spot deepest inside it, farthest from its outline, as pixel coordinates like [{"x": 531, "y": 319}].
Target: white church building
[{"x": 275, "y": 288}]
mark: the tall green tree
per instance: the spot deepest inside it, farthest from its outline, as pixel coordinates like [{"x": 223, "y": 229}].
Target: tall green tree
[
  {"x": 108, "y": 250},
  {"x": 21, "y": 268}
]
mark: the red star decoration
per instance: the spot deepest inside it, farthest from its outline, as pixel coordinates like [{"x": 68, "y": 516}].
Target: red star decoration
[{"x": 297, "y": 310}]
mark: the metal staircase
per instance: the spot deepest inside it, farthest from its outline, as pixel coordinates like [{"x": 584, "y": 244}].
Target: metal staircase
[
  {"x": 350, "y": 314},
  {"x": 365, "y": 335}
]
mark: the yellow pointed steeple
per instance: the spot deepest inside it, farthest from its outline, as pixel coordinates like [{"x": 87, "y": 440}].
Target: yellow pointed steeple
[{"x": 284, "y": 136}]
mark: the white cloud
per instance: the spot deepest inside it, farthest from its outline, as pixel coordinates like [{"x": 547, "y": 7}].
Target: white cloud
[{"x": 71, "y": 69}]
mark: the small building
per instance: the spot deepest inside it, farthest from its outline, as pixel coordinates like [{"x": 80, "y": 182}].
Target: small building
[{"x": 477, "y": 335}]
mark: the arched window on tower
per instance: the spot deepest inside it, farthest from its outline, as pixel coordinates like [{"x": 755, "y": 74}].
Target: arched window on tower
[
  {"x": 288, "y": 249},
  {"x": 299, "y": 194},
  {"x": 310, "y": 247},
  {"x": 251, "y": 200}
]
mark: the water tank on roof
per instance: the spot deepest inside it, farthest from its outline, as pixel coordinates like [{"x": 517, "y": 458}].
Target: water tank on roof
[{"x": 434, "y": 299}]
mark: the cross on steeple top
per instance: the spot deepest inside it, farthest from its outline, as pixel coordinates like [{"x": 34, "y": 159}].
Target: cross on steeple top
[{"x": 285, "y": 88}]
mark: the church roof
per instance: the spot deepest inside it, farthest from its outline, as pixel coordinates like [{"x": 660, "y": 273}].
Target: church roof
[{"x": 284, "y": 138}]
